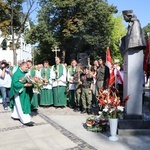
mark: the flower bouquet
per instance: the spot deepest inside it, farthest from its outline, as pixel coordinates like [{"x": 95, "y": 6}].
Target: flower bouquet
[
  {"x": 110, "y": 103},
  {"x": 37, "y": 84},
  {"x": 25, "y": 79},
  {"x": 96, "y": 123}
]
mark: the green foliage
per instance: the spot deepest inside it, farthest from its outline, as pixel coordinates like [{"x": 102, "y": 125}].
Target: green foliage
[
  {"x": 76, "y": 26},
  {"x": 11, "y": 15},
  {"x": 4, "y": 17},
  {"x": 4, "y": 44},
  {"x": 146, "y": 30},
  {"x": 117, "y": 32}
]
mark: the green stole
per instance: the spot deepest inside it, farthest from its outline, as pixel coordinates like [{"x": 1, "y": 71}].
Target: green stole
[
  {"x": 60, "y": 70},
  {"x": 72, "y": 71},
  {"x": 32, "y": 72},
  {"x": 45, "y": 73}
]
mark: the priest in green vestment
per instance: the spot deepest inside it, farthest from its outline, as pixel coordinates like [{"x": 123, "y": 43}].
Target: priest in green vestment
[
  {"x": 58, "y": 74},
  {"x": 46, "y": 96},
  {"x": 19, "y": 96},
  {"x": 72, "y": 85},
  {"x": 33, "y": 96}
]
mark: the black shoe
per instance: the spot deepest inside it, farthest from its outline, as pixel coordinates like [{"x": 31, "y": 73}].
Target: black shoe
[
  {"x": 89, "y": 112},
  {"x": 76, "y": 109},
  {"x": 34, "y": 110},
  {"x": 83, "y": 111},
  {"x": 29, "y": 124},
  {"x": 15, "y": 118}
]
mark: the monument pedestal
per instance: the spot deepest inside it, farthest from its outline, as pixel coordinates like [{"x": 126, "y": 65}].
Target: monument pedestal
[
  {"x": 133, "y": 81},
  {"x": 133, "y": 122}
]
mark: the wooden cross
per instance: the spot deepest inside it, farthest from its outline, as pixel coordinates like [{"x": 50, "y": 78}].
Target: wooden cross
[{"x": 56, "y": 49}]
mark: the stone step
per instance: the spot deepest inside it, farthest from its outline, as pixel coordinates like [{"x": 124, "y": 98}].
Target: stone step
[
  {"x": 133, "y": 131},
  {"x": 133, "y": 124}
]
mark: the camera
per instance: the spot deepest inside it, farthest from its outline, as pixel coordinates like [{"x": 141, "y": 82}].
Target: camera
[{"x": 4, "y": 65}]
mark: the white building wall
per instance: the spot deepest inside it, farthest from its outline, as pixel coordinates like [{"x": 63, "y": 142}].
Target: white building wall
[{"x": 23, "y": 53}]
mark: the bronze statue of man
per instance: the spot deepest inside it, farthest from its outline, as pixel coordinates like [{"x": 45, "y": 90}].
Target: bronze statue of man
[{"x": 134, "y": 38}]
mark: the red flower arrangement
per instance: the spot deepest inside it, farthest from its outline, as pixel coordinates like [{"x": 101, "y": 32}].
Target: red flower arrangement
[{"x": 110, "y": 103}]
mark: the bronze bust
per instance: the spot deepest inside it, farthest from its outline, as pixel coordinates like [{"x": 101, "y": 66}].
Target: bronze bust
[{"x": 134, "y": 38}]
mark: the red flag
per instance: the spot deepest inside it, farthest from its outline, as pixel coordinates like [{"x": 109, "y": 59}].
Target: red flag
[
  {"x": 111, "y": 68},
  {"x": 146, "y": 56},
  {"x": 119, "y": 76}
]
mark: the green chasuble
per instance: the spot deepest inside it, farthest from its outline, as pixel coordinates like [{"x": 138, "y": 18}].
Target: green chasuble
[
  {"x": 33, "y": 96},
  {"x": 46, "y": 97},
  {"x": 18, "y": 88},
  {"x": 59, "y": 91},
  {"x": 35, "y": 101},
  {"x": 72, "y": 91}
]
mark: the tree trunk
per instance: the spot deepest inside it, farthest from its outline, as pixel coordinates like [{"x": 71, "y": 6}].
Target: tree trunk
[{"x": 13, "y": 39}]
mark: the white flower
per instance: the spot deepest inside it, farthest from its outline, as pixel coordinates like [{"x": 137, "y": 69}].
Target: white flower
[
  {"x": 121, "y": 108},
  {"x": 105, "y": 91},
  {"x": 105, "y": 101},
  {"x": 100, "y": 112},
  {"x": 109, "y": 101},
  {"x": 105, "y": 109},
  {"x": 111, "y": 110}
]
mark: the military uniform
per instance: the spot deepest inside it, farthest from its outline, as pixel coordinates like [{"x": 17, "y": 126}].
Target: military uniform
[
  {"x": 86, "y": 96},
  {"x": 77, "y": 93},
  {"x": 100, "y": 78}
]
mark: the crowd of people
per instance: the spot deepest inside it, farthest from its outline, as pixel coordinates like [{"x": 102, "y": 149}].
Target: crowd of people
[{"x": 75, "y": 86}]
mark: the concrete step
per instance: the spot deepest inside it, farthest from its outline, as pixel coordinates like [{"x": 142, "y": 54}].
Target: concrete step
[{"x": 133, "y": 131}]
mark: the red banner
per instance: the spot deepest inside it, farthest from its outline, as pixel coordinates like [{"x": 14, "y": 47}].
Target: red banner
[{"x": 109, "y": 63}]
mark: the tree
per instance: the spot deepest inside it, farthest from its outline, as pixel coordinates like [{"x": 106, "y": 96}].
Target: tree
[
  {"x": 13, "y": 20},
  {"x": 85, "y": 24},
  {"x": 146, "y": 29},
  {"x": 75, "y": 26},
  {"x": 117, "y": 32},
  {"x": 4, "y": 17}
]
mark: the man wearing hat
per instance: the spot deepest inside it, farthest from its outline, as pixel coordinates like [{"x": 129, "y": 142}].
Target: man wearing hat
[{"x": 87, "y": 86}]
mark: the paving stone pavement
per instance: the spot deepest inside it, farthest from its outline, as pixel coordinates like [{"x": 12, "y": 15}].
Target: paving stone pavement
[{"x": 61, "y": 129}]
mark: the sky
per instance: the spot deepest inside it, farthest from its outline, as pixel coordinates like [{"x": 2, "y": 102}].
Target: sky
[{"x": 141, "y": 8}]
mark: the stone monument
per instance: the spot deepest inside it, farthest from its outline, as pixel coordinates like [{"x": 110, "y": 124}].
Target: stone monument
[{"x": 131, "y": 48}]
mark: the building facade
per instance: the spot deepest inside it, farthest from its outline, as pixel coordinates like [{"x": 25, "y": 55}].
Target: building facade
[{"x": 23, "y": 50}]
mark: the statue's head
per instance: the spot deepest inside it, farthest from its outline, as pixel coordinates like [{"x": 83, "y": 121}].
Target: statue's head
[{"x": 128, "y": 14}]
